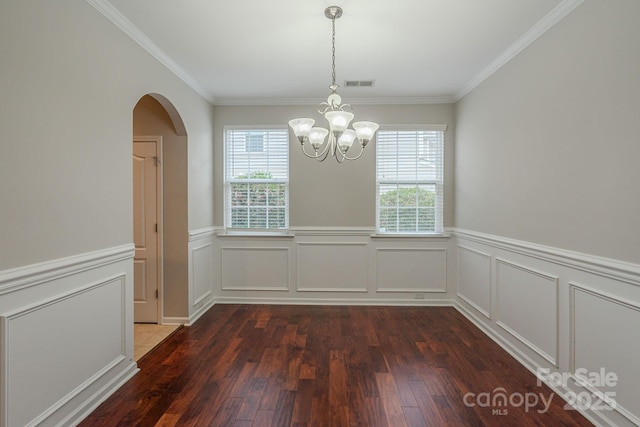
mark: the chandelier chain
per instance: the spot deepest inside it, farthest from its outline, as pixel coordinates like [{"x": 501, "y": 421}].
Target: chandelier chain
[
  {"x": 333, "y": 52},
  {"x": 338, "y": 115}
]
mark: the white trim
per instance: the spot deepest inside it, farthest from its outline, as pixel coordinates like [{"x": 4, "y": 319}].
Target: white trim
[
  {"x": 332, "y": 231},
  {"x": 578, "y": 263},
  {"x": 336, "y": 301},
  {"x": 474, "y": 305},
  {"x": 202, "y": 298},
  {"x": 412, "y": 290},
  {"x": 256, "y": 289},
  {"x": 359, "y": 290},
  {"x": 410, "y": 236},
  {"x": 281, "y": 288},
  {"x": 487, "y": 256},
  {"x": 5, "y": 327},
  {"x": 400, "y": 100},
  {"x": 175, "y": 320},
  {"x": 497, "y": 338},
  {"x": 573, "y": 288},
  {"x": 203, "y": 233},
  {"x": 308, "y": 289},
  {"x": 254, "y": 234},
  {"x": 66, "y": 399},
  {"x": 127, "y": 27},
  {"x": 332, "y": 244},
  {"x": 528, "y": 363},
  {"x": 546, "y": 23},
  {"x": 192, "y": 291},
  {"x": 36, "y": 274},
  {"x": 555, "y": 281},
  {"x": 90, "y": 405},
  {"x": 199, "y": 312},
  {"x": 548, "y": 357},
  {"x": 605, "y": 267}
]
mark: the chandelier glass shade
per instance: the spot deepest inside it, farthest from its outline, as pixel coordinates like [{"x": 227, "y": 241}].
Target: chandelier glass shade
[{"x": 339, "y": 115}]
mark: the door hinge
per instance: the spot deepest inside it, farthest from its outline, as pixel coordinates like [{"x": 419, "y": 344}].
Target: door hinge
[
  {"x": 156, "y": 228},
  {"x": 156, "y": 160},
  {"x": 157, "y": 294}
]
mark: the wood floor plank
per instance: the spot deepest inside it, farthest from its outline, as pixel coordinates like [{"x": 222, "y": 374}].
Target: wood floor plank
[
  {"x": 413, "y": 417},
  {"x": 318, "y": 366},
  {"x": 390, "y": 400},
  {"x": 375, "y": 412},
  {"x": 303, "y": 402},
  {"x": 251, "y": 402}
]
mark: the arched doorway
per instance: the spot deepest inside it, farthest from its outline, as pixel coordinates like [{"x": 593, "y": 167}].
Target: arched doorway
[{"x": 156, "y": 122}]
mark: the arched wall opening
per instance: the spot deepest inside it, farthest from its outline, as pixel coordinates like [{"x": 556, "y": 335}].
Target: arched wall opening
[{"x": 155, "y": 115}]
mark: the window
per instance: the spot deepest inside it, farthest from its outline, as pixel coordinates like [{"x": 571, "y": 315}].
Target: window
[
  {"x": 409, "y": 180},
  {"x": 256, "y": 178}
]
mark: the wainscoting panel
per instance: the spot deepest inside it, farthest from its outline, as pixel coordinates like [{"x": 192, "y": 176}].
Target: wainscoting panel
[
  {"x": 332, "y": 267},
  {"x": 474, "y": 279},
  {"x": 606, "y": 338},
  {"x": 528, "y": 307},
  {"x": 255, "y": 269},
  {"x": 411, "y": 270},
  {"x": 52, "y": 358},
  {"x": 569, "y": 314},
  {"x": 66, "y": 336},
  {"x": 201, "y": 281}
]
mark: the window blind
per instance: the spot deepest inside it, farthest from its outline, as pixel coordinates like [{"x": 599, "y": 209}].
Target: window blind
[
  {"x": 256, "y": 178},
  {"x": 409, "y": 181}
]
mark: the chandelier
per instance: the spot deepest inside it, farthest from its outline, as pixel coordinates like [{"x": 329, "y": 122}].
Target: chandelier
[{"x": 338, "y": 115}]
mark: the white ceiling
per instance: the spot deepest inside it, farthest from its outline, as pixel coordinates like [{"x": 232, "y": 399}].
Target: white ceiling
[{"x": 279, "y": 51}]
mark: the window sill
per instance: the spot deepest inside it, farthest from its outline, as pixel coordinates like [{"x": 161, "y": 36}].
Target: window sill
[
  {"x": 444, "y": 235},
  {"x": 255, "y": 233}
]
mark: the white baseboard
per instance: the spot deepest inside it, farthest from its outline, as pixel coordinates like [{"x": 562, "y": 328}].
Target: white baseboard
[
  {"x": 175, "y": 320},
  {"x": 89, "y": 405},
  {"x": 199, "y": 312},
  {"x": 335, "y": 301}
]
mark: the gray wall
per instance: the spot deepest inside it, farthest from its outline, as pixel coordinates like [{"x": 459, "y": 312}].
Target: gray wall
[
  {"x": 547, "y": 148},
  {"x": 70, "y": 80},
  {"x": 329, "y": 194}
]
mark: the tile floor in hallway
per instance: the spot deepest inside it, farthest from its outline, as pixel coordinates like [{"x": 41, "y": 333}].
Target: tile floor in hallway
[{"x": 148, "y": 335}]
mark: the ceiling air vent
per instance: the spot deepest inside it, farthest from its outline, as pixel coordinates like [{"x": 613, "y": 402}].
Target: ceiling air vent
[{"x": 359, "y": 83}]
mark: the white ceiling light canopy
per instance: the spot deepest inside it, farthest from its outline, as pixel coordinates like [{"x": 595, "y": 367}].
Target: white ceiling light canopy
[{"x": 338, "y": 115}]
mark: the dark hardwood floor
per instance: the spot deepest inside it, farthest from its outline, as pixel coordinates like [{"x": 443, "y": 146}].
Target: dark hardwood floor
[{"x": 257, "y": 365}]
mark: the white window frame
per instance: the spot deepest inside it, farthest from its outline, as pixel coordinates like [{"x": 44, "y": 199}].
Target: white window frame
[
  {"x": 228, "y": 181},
  {"x": 438, "y": 183}
]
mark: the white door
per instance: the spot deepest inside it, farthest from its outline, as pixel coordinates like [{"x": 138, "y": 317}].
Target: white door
[{"x": 146, "y": 227}]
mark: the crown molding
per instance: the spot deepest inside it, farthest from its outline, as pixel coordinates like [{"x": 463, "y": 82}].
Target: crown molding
[
  {"x": 408, "y": 100},
  {"x": 120, "y": 21},
  {"x": 546, "y": 23},
  {"x": 551, "y": 19}
]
